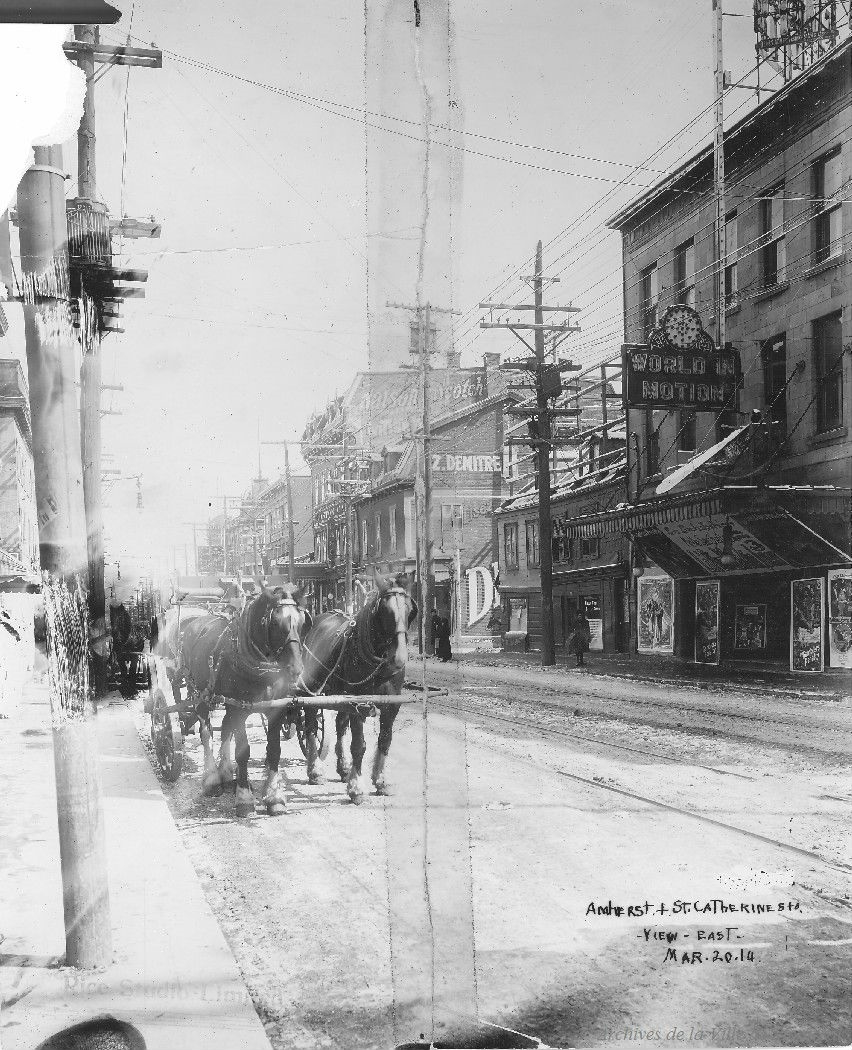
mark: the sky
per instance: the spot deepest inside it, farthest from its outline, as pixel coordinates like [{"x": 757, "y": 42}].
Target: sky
[{"x": 255, "y": 312}]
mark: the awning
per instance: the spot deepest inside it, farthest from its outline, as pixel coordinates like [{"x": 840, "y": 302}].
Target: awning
[
  {"x": 615, "y": 568},
  {"x": 771, "y": 530},
  {"x": 680, "y": 475}
]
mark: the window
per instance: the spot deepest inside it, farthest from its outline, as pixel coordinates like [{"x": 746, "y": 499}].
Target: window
[
  {"x": 828, "y": 223},
  {"x": 650, "y": 296},
  {"x": 365, "y": 538},
  {"x": 378, "y": 535},
  {"x": 688, "y": 439},
  {"x": 773, "y": 354},
  {"x": 652, "y": 444},
  {"x": 731, "y": 260},
  {"x": 394, "y": 540},
  {"x": 773, "y": 252},
  {"x": 828, "y": 367},
  {"x": 590, "y": 547},
  {"x": 532, "y": 543},
  {"x": 684, "y": 273},
  {"x": 510, "y": 544},
  {"x": 451, "y": 524},
  {"x": 561, "y": 546}
]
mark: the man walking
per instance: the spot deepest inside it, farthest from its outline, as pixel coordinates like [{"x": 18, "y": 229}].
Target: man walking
[{"x": 582, "y": 637}]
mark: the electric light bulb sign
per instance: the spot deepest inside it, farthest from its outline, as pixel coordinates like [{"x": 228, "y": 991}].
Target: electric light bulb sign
[{"x": 667, "y": 378}]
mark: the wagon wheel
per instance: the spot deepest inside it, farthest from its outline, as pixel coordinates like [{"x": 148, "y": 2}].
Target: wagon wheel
[
  {"x": 322, "y": 746},
  {"x": 167, "y": 738}
]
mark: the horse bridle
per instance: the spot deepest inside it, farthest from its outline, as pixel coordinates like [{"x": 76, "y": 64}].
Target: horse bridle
[
  {"x": 293, "y": 638},
  {"x": 387, "y": 594}
]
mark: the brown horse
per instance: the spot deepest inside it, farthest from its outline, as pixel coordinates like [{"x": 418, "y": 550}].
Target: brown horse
[
  {"x": 252, "y": 656},
  {"x": 357, "y": 657}
]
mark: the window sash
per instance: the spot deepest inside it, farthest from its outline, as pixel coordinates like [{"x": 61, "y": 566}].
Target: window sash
[
  {"x": 827, "y": 341},
  {"x": 829, "y": 233},
  {"x": 532, "y": 543}
]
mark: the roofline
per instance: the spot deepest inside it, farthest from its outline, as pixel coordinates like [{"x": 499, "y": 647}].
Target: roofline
[{"x": 623, "y": 216}]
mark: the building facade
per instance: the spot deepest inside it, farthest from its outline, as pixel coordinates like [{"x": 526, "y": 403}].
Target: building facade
[{"x": 740, "y": 504}]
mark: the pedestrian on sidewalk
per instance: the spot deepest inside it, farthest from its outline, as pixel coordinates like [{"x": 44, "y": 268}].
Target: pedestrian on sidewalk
[
  {"x": 435, "y": 627},
  {"x": 582, "y": 637},
  {"x": 443, "y": 650}
]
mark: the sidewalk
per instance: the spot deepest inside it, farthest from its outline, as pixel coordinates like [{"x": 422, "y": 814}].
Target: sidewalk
[
  {"x": 832, "y": 684},
  {"x": 173, "y": 975}
]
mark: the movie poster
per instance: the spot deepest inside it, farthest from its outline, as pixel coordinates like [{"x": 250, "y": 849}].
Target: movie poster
[
  {"x": 707, "y": 622},
  {"x": 655, "y": 602},
  {"x": 806, "y": 648},
  {"x": 840, "y": 617},
  {"x": 750, "y": 627},
  {"x": 592, "y": 609}
]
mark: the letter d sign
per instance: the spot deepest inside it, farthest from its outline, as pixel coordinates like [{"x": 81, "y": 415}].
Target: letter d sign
[{"x": 478, "y": 604}]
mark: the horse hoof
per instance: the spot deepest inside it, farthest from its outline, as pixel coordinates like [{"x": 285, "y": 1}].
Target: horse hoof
[
  {"x": 343, "y": 772},
  {"x": 211, "y": 788},
  {"x": 356, "y": 799},
  {"x": 384, "y": 789},
  {"x": 245, "y": 802},
  {"x": 276, "y": 809},
  {"x": 316, "y": 778}
]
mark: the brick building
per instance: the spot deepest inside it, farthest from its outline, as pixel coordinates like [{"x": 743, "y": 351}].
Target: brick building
[{"x": 741, "y": 509}]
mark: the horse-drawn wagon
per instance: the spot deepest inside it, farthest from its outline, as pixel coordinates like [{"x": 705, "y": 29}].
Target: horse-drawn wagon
[{"x": 267, "y": 656}]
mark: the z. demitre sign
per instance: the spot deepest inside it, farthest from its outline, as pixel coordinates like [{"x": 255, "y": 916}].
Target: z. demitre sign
[{"x": 680, "y": 367}]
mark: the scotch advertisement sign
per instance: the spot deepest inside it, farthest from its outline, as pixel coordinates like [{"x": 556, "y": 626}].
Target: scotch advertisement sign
[{"x": 680, "y": 367}]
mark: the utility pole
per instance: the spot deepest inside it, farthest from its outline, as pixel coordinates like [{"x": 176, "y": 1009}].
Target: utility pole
[
  {"x": 719, "y": 178},
  {"x": 291, "y": 530},
  {"x": 92, "y": 270},
  {"x": 548, "y": 385},
  {"x": 50, "y": 345},
  {"x": 423, "y": 313}
]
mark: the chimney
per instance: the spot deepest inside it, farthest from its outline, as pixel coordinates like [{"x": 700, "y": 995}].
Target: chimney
[{"x": 491, "y": 361}]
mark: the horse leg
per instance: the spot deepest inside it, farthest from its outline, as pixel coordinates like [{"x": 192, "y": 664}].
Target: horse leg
[
  {"x": 227, "y": 769},
  {"x": 316, "y": 768},
  {"x": 210, "y": 784},
  {"x": 341, "y": 723},
  {"x": 355, "y": 785},
  {"x": 387, "y": 717},
  {"x": 274, "y": 783},
  {"x": 245, "y": 796}
]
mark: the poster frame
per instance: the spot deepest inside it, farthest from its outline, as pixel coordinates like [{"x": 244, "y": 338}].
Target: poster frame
[
  {"x": 793, "y": 583},
  {"x": 838, "y": 659},
  {"x": 750, "y": 605},
  {"x": 714, "y": 585},
  {"x": 643, "y": 580}
]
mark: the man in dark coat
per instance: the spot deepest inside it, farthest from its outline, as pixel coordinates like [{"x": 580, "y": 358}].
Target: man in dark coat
[
  {"x": 443, "y": 650},
  {"x": 582, "y": 637}
]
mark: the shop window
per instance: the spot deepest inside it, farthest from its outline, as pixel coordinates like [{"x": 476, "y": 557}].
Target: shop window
[
  {"x": 731, "y": 261},
  {"x": 510, "y": 544},
  {"x": 532, "y": 543},
  {"x": 517, "y": 616},
  {"x": 828, "y": 222},
  {"x": 688, "y": 430},
  {"x": 590, "y": 547},
  {"x": 773, "y": 250},
  {"x": 684, "y": 272},
  {"x": 828, "y": 367},
  {"x": 650, "y": 297},
  {"x": 774, "y": 357}
]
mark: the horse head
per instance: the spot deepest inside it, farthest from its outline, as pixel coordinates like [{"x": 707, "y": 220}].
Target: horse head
[
  {"x": 395, "y": 612},
  {"x": 277, "y": 624}
]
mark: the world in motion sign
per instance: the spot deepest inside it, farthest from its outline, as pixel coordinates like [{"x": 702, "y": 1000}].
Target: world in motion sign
[{"x": 680, "y": 367}]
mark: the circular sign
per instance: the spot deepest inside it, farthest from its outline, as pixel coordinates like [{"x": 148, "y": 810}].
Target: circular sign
[{"x": 681, "y": 326}]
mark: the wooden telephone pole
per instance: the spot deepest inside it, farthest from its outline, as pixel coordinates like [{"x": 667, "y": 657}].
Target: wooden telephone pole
[
  {"x": 548, "y": 385},
  {"x": 91, "y": 265},
  {"x": 425, "y": 347}
]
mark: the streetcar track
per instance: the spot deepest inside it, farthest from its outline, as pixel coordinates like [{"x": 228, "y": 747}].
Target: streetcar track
[
  {"x": 595, "y": 740},
  {"x": 633, "y": 719},
  {"x": 839, "y": 866}
]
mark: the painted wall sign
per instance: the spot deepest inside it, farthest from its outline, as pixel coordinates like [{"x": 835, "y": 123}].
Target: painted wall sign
[
  {"x": 750, "y": 627},
  {"x": 481, "y": 593},
  {"x": 673, "y": 379},
  {"x": 840, "y": 617},
  {"x": 806, "y": 604},
  {"x": 655, "y": 603},
  {"x": 467, "y": 463},
  {"x": 707, "y": 622}
]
